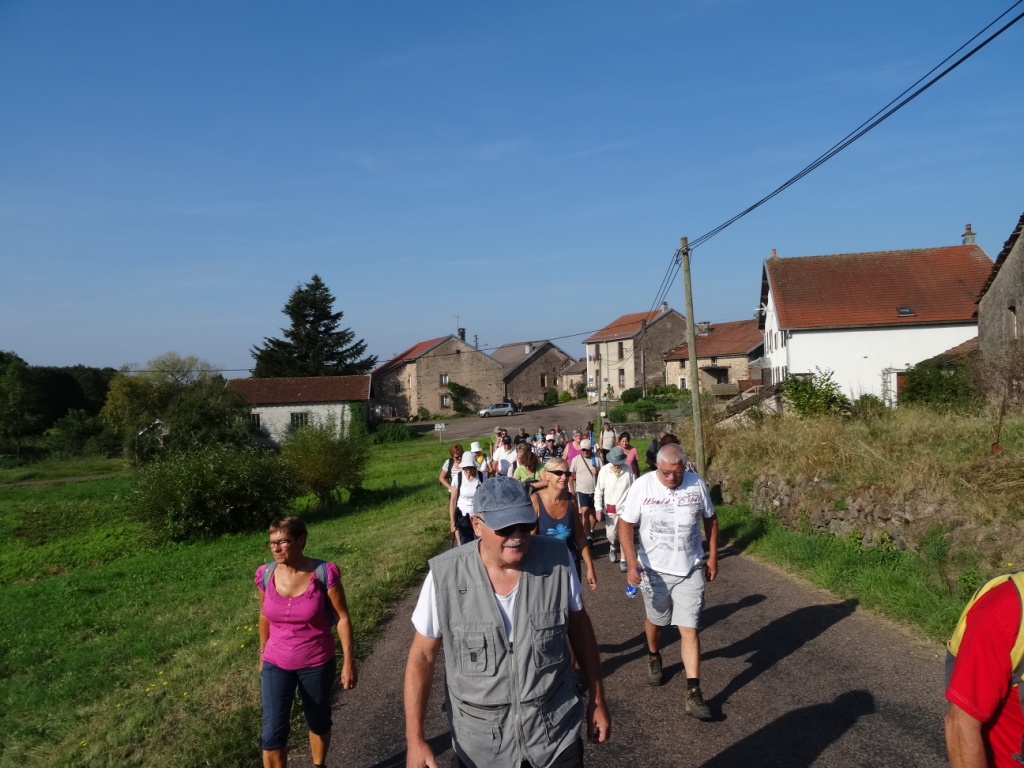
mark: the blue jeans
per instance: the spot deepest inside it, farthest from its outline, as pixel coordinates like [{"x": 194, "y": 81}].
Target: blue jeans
[{"x": 277, "y": 690}]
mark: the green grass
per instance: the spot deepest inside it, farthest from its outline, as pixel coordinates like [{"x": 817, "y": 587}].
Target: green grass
[
  {"x": 133, "y": 654},
  {"x": 57, "y": 469},
  {"x": 902, "y": 585}
]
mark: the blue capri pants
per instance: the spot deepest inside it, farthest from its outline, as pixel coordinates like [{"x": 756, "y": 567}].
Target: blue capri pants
[{"x": 277, "y": 690}]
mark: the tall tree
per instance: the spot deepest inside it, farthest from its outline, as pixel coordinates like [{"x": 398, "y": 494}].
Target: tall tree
[
  {"x": 313, "y": 345},
  {"x": 19, "y": 399}
]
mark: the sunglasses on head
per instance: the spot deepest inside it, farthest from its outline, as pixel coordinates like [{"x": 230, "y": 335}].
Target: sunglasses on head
[{"x": 508, "y": 530}]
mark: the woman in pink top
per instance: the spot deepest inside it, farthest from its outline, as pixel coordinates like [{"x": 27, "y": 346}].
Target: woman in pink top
[
  {"x": 631, "y": 458},
  {"x": 297, "y": 609}
]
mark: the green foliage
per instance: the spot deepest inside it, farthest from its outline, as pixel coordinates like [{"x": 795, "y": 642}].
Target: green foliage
[
  {"x": 645, "y": 410},
  {"x": 462, "y": 397},
  {"x": 817, "y": 395},
  {"x": 667, "y": 396},
  {"x": 76, "y": 387},
  {"x": 550, "y": 396},
  {"x": 565, "y": 396},
  {"x": 619, "y": 414},
  {"x": 579, "y": 391},
  {"x": 212, "y": 491},
  {"x": 930, "y": 383},
  {"x": 969, "y": 582},
  {"x": 76, "y": 434},
  {"x": 205, "y": 413},
  {"x": 422, "y": 414},
  {"x": 868, "y": 408},
  {"x": 325, "y": 460},
  {"x": 20, "y": 404},
  {"x": 313, "y": 344},
  {"x": 389, "y": 432},
  {"x": 631, "y": 395}
]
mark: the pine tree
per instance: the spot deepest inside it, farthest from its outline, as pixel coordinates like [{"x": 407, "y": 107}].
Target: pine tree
[{"x": 313, "y": 345}]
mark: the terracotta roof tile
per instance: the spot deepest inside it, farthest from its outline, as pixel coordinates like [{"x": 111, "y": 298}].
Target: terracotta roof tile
[
  {"x": 409, "y": 355},
  {"x": 625, "y": 326},
  {"x": 310, "y": 389},
  {"x": 937, "y": 285},
  {"x": 739, "y": 337}
]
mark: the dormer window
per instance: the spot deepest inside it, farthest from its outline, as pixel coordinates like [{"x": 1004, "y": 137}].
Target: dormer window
[{"x": 904, "y": 311}]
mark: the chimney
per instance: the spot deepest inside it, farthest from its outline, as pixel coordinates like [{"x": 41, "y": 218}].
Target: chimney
[
  {"x": 968, "y": 236},
  {"x": 664, "y": 306},
  {"x": 462, "y": 333},
  {"x": 774, "y": 254},
  {"x": 528, "y": 348},
  {"x": 703, "y": 328}
]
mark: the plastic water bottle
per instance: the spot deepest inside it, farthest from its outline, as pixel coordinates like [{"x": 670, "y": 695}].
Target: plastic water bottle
[{"x": 631, "y": 591}]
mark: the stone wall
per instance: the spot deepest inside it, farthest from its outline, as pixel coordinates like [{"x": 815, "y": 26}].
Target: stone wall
[
  {"x": 528, "y": 384},
  {"x": 463, "y": 365},
  {"x": 1001, "y": 310}
]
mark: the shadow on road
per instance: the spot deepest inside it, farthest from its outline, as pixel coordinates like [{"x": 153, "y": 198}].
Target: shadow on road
[
  {"x": 716, "y": 613},
  {"x": 799, "y": 737},
  {"x": 777, "y": 640},
  {"x": 439, "y": 744}
]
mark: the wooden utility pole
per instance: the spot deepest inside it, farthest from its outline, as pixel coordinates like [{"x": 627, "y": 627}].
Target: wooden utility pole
[{"x": 691, "y": 351}]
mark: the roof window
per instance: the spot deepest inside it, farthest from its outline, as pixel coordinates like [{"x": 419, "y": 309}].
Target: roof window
[{"x": 904, "y": 311}]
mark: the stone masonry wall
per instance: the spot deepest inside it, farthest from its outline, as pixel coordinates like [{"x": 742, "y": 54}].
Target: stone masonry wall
[{"x": 526, "y": 387}]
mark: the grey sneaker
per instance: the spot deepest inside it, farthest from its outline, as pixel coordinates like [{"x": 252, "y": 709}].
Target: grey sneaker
[
  {"x": 613, "y": 554},
  {"x": 695, "y": 706},
  {"x": 622, "y": 566},
  {"x": 654, "y": 674}
]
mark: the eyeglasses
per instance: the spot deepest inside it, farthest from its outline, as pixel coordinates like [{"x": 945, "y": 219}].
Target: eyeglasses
[
  {"x": 275, "y": 543},
  {"x": 558, "y": 472},
  {"x": 508, "y": 530},
  {"x": 672, "y": 472}
]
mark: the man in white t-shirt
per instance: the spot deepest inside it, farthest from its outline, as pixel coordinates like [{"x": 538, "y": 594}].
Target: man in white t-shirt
[
  {"x": 670, "y": 505},
  {"x": 527, "y": 699}
]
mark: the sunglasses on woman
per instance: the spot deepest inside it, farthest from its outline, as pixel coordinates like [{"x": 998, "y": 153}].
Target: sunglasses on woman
[{"x": 558, "y": 472}]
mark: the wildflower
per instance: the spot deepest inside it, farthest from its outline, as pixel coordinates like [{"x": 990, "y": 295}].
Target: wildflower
[
  {"x": 85, "y": 743},
  {"x": 185, "y": 693},
  {"x": 242, "y": 645}
]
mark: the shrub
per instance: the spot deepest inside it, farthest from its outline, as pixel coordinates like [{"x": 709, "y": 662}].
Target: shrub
[
  {"x": 324, "y": 460},
  {"x": 550, "y": 396},
  {"x": 816, "y": 395},
  {"x": 389, "y": 432},
  {"x": 564, "y": 396},
  {"x": 579, "y": 390},
  {"x": 619, "y": 414},
  {"x": 667, "y": 395},
  {"x": 631, "y": 395},
  {"x": 929, "y": 383},
  {"x": 71, "y": 434},
  {"x": 645, "y": 410},
  {"x": 212, "y": 491},
  {"x": 868, "y": 407},
  {"x": 422, "y": 414}
]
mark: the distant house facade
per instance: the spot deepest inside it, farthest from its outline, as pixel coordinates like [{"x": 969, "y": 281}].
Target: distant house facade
[
  {"x": 419, "y": 377},
  {"x": 1001, "y": 299},
  {"x": 573, "y": 375},
  {"x": 278, "y": 406},
  {"x": 867, "y": 317},
  {"x": 629, "y": 352},
  {"x": 529, "y": 368},
  {"x": 728, "y": 358}
]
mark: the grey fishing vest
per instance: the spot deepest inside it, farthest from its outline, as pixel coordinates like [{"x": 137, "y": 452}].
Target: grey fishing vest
[{"x": 507, "y": 701}]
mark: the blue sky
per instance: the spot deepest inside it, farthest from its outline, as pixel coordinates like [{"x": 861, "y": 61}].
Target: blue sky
[{"x": 169, "y": 172}]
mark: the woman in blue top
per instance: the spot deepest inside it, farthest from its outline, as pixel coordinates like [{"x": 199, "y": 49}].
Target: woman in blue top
[{"x": 559, "y": 517}]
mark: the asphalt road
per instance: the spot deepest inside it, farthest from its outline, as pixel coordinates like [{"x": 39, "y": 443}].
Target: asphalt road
[
  {"x": 794, "y": 677},
  {"x": 575, "y": 413}
]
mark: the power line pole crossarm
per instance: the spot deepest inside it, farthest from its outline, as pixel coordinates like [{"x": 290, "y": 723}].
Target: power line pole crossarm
[{"x": 691, "y": 353}]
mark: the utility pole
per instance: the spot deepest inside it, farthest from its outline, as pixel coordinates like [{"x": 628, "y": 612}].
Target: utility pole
[{"x": 691, "y": 350}]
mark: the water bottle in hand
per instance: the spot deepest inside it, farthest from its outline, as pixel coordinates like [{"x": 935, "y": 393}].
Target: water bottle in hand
[{"x": 631, "y": 591}]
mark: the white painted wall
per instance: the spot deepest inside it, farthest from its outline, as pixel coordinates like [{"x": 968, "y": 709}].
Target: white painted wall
[
  {"x": 857, "y": 357},
  {"x": 276, "y": 419}
]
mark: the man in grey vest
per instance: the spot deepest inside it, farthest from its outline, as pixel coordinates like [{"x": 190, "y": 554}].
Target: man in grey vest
[{"x": 502, "y": 607}]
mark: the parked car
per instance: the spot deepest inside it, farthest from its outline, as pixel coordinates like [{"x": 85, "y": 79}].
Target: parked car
[{"x": 497, "y": 409}]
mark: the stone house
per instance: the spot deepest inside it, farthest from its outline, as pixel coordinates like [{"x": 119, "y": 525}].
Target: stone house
[
  {"x": 279, "y": 405},
  {"x": 868, "y": 317},
  {"x": 630, "y": 351},
  {"x": 573, "y": 374},
  {"x": 1002, "y": 298},
  {"x": 419, "y": 377},
  {"x": 529, "y": 368},
  {"x": 728, "y": 358}
]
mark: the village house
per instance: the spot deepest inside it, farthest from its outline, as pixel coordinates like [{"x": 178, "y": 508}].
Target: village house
[
  {"x": 630, "y": 351},
  {"x": 728, "y": 358},
  {"x": 1002, "y": 297},
  {"x": 418, "y": 378},
  {"x": 572, "y": 376},
  {"x": 280, "y": 405},
  {"x": 529, "y": 368},
  {"x": 867, "y": 317}
]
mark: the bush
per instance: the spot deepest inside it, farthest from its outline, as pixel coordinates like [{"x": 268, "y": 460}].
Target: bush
[
  {"x": 816, "y": 395},
  {"x": 212, "y": 491},
  {"x": 868, "y": 408},
  {"x": 324, "y": 461},
  {"x": 564, "y": 396},
  {"x": 645, "y": 410},
  {"x": 579, "y": 391},
  {"x": 72, "y": 434},
  {"x": 619, "y": 414},
  {"x": 389, "y": 432},
  {"x": 550, "y": 396},
  {"x": 631, "y": 395},
  {"x": 422, "y": 414},
  {"x": 931, "y": 384}
]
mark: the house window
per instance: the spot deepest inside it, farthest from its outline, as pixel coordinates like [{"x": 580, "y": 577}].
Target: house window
[
  {"x": 398, "y": 388},
  {"x": 543, "y": 380},
  {"x": 446, "y": 401},
  {"x": 444, "y": 379},
  {"x": 622, "y": 351},
  {"x": 684, "y": 383},
  {"x": 622, "y": 378},
  {"x": 254, "y": 419},
  {"x": 1011, "y": 323},
  {"x": 300, "y": 419}
]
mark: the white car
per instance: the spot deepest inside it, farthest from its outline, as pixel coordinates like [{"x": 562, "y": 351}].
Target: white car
[{"x": 497, "y": 409}]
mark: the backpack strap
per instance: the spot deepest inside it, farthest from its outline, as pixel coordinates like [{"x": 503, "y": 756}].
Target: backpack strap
[{"x": 268, "y": 571}]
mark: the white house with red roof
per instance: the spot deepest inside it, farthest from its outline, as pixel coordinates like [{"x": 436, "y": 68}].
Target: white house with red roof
[
  {"x": 867, "y": 317},
  {"x": 727, "y": 358},
  {"x": 280, "y": 405},
  {"x": 419, "y": 378},
  {"x": 630, "y": 350}
]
